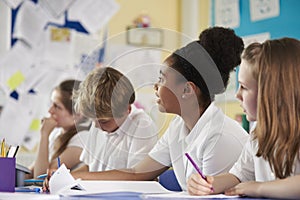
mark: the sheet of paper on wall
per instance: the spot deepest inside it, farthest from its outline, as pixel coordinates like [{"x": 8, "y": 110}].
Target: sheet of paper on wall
[
  {"x": 15, "y": 67},
  {"x": 56, "y": 7},
  {"x": 227, "y": 13},
  {"x": 16, "y": 117},
  {"x": 93, "y": 15},
  {"x": 13, "y": 4},
  {"x": 57, "y": 19},
  {"x": 261, "y": 37},
  {"x": 85, "y": 45},
  {"x": 49, "y": 78},
  {"x": 30, "y": 22},
  {"x": 32, "y": 135},
  {"x": 140, "y": 65},
  {"x": 260, "y": 10},
  {"x": 57, "y": 47}
]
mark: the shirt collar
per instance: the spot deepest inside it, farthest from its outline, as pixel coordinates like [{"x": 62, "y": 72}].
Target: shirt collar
[{"x": 204, "y": 120}]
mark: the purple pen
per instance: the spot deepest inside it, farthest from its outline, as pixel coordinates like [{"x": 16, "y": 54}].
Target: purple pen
[
  {"x": 195, "y": 166},
  {"x": 197, "y": 169}
]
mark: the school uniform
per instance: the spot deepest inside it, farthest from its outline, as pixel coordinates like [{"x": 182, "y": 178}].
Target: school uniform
[
  {"x": 214, "y": 143},
  {"x": 249, "y": 167},
  {"x": 123, "y": 148},
  {"x": 78, "y": 140}
]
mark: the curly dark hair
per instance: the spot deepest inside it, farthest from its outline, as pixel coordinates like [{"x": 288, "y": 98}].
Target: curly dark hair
[{"x": 224, "y": 47}]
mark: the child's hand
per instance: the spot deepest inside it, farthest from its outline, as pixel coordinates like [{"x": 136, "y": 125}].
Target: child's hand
[
  {"x": 245, "y": 189},
  {"x": 196, "y": 185},
  {"x": 46, "y": 181},
  {"x": 48, "y": 124}
]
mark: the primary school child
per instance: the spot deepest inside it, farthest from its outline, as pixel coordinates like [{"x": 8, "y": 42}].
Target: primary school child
[
  {"x": 269, "y": 92},
  {"x": 64, "y": 134},
  {"x": 188, "y": 82},
  {"x": 121, "y": 135}
]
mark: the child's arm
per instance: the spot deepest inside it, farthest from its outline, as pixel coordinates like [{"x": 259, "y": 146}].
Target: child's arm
[
  {"x": 282, "y": 188},
  {"x": 147, "y": 169},
  {"x": 42, "y": 163},
  {"x": 214, "y": 185}
]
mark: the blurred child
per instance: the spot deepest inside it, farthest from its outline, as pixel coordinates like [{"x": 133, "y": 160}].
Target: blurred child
[{"x": 63, "y": 134}]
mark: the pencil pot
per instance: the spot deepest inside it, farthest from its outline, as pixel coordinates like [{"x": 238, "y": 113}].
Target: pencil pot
[{"x": 7, "y": 174}]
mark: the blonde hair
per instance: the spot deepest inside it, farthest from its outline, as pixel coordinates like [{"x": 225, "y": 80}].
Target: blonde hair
[
  {"x": 278, "y": 118},
  {"x": 105, "y": 93}
]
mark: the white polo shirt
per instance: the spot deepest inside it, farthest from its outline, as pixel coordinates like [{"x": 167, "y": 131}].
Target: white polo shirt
[
  {"x": 249, "y": 167},
  {"x": 78, "y": 140},
  {"x": 214, "y": 143},
  {"x": 129, "y": 144}
]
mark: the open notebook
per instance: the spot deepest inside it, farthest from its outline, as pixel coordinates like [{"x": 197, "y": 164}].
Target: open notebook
[{"x": 63, "y": 183}]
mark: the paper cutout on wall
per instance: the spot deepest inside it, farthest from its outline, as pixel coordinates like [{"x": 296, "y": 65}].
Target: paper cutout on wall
[
  {"x": 35, "y": 125},
  {"x": 15, "y": 80}
]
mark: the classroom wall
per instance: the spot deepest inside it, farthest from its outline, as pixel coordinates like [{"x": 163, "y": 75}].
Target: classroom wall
[
  {"x": 168, "y": 15},
  {"x": 286, "y": 24}
]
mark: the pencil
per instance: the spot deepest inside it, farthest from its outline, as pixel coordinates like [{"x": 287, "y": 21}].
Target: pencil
[
  {"x": 3, "y": 148},
  {"x": 7, "y": 152}
]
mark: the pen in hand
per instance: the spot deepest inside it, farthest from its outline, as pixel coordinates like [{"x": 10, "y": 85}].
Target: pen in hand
[
  {"x": 197, "y": 168},
  {"x": 58, "y": 162}
]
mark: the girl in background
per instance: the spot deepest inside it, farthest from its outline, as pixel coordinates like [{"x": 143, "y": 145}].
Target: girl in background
[{"x": 63, "y": 134}]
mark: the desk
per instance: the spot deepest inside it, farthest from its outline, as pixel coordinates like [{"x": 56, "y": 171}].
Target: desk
[{"x": 103, "y": 196}]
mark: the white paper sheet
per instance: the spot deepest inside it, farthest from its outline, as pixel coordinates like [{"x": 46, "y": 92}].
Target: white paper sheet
[
  {"x": 18, "y": 60},
  {"x": 13, "y": 4},
  {"x": 84, "y": 44},
  {"x": 264, "y": 9},
  {"x": 61, "y": 180},
  {"x": 56, "y": 7},
  {"x": 57, "y": 46},
  {"x": 261, "y": 37},
  {"x": 16, "y": 118},
  {"x": 93, "y": 15},
  {"x": 52, "y": 17},
  {"x": 98, "y": 187},
  {"x": 227, "y": 13},
  {"x": 30, "y": 22}
]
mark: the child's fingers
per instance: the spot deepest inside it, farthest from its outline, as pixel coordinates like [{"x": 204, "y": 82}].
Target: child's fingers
[{"x": 198, "y": 186}]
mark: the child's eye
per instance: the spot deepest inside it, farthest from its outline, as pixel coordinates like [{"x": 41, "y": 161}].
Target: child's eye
[
  {"x": 159, "y": 79},
  {"x": 242, "y": 87}
]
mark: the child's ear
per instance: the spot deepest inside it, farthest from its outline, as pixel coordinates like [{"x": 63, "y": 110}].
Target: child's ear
[{"x": 189, "y": 88}]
